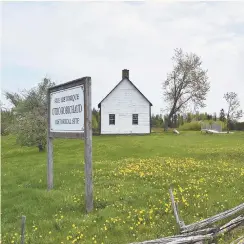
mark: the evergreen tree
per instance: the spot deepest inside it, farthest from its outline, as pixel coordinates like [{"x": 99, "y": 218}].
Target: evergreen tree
[{"x": 222, "y": 115}]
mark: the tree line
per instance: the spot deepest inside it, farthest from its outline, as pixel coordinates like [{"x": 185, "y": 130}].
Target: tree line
[
  {"x": 158, "y": 120},
  {"x": 186, "y": 86}
]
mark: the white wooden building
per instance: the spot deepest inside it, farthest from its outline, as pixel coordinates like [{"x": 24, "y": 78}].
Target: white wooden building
[{"x": 125, "y": 110}]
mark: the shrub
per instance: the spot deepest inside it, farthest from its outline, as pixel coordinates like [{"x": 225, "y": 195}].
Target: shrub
[
  {"x": 194, "y": 125},
  {"x": 30, "y": 114},
  {"x": 6, "y": 122}
]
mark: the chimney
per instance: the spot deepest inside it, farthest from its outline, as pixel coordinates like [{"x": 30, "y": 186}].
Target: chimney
[{"x": 125, "y": 73}]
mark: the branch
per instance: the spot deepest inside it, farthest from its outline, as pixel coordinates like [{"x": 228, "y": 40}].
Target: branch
[{"x": 178, "y": 108}]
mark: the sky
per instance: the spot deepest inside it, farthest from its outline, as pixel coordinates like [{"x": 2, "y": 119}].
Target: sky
[{"x": 68, "y": 40}]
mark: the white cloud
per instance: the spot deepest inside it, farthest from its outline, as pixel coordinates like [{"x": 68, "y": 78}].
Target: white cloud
[{"x": 70, "y": 40}]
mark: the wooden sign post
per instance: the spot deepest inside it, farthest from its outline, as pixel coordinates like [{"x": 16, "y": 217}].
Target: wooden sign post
[{"x": 70, "y": 116}]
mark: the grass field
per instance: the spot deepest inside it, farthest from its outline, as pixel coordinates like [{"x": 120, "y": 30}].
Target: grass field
[{"x": 132, "y": 176}]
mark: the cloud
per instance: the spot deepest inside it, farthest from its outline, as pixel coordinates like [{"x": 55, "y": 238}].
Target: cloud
[{"x": 67, "y": 40}]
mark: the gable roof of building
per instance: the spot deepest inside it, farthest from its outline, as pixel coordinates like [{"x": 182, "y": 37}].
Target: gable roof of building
[{"x": 99, "y": 105}]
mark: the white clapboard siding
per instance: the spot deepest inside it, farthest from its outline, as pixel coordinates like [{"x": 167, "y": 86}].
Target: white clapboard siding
[{"x": 124, "y": 101}]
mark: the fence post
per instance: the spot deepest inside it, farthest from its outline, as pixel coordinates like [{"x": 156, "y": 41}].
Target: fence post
[{"x": 23, "y": 220}]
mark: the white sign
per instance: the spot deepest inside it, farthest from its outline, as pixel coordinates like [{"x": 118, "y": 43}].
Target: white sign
[{"x": 67, "y": 110}]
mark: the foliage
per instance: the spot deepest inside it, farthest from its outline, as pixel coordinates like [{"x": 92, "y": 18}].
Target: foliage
[
  {"x": 222, "y": 115},
  {"x": 14, "y": 98},
  {"x": 132, "y": 176},
  {"x": 180, "y": 119},
  {"x": 194, "y": 126},
  {"x": 95, "y": 121},
  {"x": 6, "y": 121},
  {"x": 186, "y": 84},
  {"x": 30, "y": 108},
  {"x": 95, "y": 113},
  {"x": 157, "y": 121},
  {"x": 239, "y": 126},
  {"x": 233, "y": 111}
]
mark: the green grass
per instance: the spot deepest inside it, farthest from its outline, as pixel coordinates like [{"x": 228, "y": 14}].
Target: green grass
[{"x": 132, "y": 175}]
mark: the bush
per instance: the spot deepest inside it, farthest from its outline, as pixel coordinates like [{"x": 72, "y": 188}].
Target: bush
[
  {"x": 4, "y": 129},
  {"x": 6, "y": 122},
  {"x": 194, "y": 125},
  {"x": 30, "y": 115},
  {"x": 236, "y": 125},
  {"x": 240, "y": 126}
]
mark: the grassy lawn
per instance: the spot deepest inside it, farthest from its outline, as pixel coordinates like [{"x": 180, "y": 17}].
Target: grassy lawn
[{"x": 131, "y": 174}]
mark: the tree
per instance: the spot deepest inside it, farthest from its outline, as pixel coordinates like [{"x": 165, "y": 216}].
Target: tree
[
  {"x": 233, "y": 111},
  {"x": 157, "y": 120},
  {"x": 222, "y": 115},
  {"x": 202, "y": 116},
  {"x": 186, "y": 84},
  {"x": 214, "y": 117},
  {"x": 95, "y": 120},
  {"x": 188, "y": 118},
  {"x": 209, "y": 117},
  {"x": 6, "y": 120},
  {"x": 30, "y": 109},
  {"x": 178, "y": 120},
  {"x": 181, "y": 120},
  {"x": 14, "y": 98},
  {"x": 175, "y": 120},
  {"x": 197, "y": 116},
  {"x": 94, "y": 123}
]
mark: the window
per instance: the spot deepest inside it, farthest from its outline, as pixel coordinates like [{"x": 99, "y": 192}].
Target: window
[
  {"x": 135, "y": 119},
  {"x": 112, "y": 119}
]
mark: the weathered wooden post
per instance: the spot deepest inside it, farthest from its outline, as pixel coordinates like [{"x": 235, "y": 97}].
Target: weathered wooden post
[
  {"x": 70, "y": 116},
  {"x": 23, "y": 220},
  {"x": 49, "y": 150},
  {"x": 49, "y": 163},
  {"x": 88, "y": 147}
]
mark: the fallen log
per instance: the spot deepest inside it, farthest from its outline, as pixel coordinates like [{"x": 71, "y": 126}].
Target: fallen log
[
  {"x": 239, "y": 240},
  {"x": 237, "y": 220},
  {"x": 160, "y": 240},
  {"x": 213, "y": 219},
  {"x": 178, "y": 240},
  {"x": 230, "y": 225},
  {"x": 194, "y": 233},
  {"x": 200, "y": 232},
  {"x": 195, "y": 237},
  {"x": 192, "y": 239}
]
